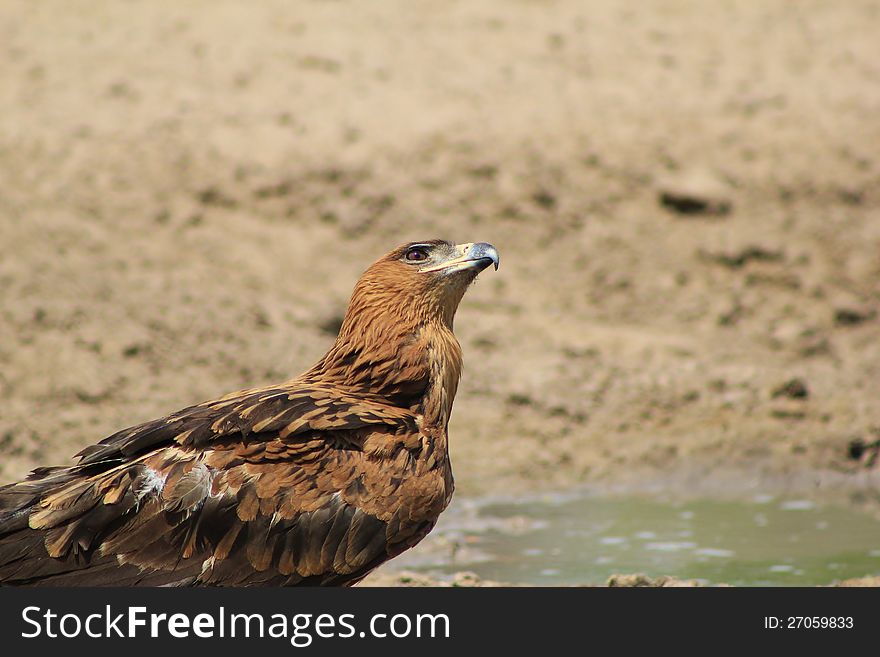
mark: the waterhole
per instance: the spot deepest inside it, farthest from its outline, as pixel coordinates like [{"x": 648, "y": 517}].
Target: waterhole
[{"x": 570, "y": 540}]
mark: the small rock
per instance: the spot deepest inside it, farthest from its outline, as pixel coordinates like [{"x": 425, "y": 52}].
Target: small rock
[
  {"x": 860, "y": 450},
  {"x": 856, "y": 448},
  {"x": 465, "y": 579},
  {"x": 695, "y": 193},
  {"x": 852, "y": 316},
  {"x": 215, "y": 197},
  {"x": 741, "y": 257},
  {"x": 793, "y": 389},
  {"x": 640, "y": 580}
]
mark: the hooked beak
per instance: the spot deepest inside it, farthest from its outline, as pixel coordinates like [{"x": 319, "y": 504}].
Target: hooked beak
[{"x": 476, "y": 256}]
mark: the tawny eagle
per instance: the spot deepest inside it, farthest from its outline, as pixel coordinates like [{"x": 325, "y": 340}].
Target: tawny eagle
[{"x": 315, "y": 481}]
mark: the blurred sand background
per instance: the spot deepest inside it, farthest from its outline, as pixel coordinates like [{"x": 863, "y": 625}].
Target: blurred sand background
[{"x": 685, "y": 196}]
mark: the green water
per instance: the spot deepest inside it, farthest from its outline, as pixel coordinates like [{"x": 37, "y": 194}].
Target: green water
[{"x": 583, "y": 540}]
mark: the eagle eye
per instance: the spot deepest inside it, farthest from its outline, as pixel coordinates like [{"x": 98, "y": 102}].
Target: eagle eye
[{"x": 416, "y": 254}]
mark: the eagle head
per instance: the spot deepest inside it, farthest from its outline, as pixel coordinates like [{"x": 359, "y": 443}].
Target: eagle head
[
  {"x": 423, "y": 281},
  {"x": 396, "y": 339}
]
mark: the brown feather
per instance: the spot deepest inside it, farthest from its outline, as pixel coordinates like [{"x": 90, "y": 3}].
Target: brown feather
[{"x": 317, "y": 480}]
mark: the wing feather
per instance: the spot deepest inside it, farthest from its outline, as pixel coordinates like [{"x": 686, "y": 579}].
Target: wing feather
[{"x": 261, "y": 487}]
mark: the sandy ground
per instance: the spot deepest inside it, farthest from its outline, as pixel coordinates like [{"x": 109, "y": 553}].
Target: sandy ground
[{"x": 685, "y": 195}]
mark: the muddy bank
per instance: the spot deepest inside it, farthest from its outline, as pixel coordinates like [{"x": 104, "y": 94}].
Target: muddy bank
[
  {"x": 686, "y": 198},
  {"x": 466, "y": 579}
]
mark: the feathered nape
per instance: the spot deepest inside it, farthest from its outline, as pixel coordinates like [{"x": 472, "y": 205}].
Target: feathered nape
[{"x": 396, "y": 342}]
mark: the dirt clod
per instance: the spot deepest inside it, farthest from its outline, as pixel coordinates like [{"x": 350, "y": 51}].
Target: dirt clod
[
  {"x": 853, "y": 316},
  {"x": 793, "y": 389}
]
